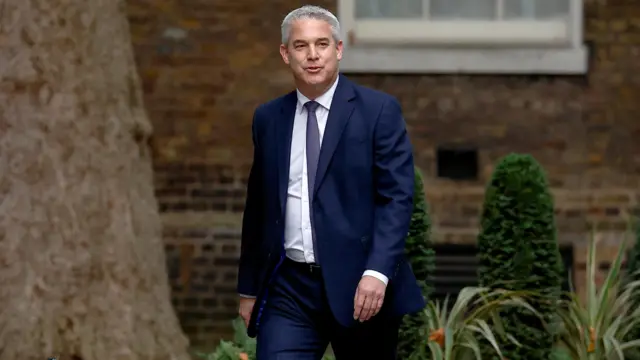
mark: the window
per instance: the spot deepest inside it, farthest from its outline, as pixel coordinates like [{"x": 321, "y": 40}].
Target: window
[{"x": 535, "y": 36}]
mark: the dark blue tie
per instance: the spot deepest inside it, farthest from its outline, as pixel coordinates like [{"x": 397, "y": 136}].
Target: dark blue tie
[{"x": 313, "y": 154}]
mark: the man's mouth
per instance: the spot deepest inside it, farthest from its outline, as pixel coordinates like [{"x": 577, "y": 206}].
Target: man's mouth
[{"x": 314, "y": 69}]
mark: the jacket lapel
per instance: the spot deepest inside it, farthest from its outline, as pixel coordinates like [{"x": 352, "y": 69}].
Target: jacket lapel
[
  {"x": 284, "y": 131},
  {"x": 339, "y": 114}
]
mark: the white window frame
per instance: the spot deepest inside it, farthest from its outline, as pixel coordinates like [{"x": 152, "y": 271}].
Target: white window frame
[{"x": 458, "y": 46}]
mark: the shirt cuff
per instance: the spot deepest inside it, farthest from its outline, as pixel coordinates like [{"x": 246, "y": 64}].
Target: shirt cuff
[
  {"x": 377, "y": 275},
  {"x": 247, "y": 296}
]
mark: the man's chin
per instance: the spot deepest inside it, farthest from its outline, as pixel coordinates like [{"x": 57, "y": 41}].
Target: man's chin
[
  {"x": 318, "y": 80},
  {"x": 315, "y": 79}
]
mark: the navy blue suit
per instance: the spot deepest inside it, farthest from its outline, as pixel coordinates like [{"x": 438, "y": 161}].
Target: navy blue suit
[{"x": 361, "y": 209}]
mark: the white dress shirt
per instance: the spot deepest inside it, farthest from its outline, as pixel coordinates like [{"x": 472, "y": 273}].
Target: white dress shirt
[{"x": 298, "y": 242}]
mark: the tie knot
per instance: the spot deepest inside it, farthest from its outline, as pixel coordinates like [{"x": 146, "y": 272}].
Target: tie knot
[{"x": 311, "y": 106}]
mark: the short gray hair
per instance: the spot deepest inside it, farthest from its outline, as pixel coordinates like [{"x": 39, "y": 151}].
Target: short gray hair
[{"x": 310, "y": 12}]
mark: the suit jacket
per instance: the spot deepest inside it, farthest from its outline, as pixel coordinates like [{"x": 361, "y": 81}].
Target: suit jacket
[{"x": 362, "y": 204}]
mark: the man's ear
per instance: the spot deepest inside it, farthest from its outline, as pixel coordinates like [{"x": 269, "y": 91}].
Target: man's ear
[
  {"x": 284, "y": 52},
  {"x": 339, "y": 47}
]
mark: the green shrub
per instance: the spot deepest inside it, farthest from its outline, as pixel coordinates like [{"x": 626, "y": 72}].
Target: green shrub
[
  {"x": 596, "y": 326},
  {"x": 231, "y": 350},
  {"x": 241, "y": 347},
  {"x": 518, "y": 250},
  {"x": 422, "y": 259},
  {"x": 559, "y": 353},
  {"x": 633, "y": 274},
  {"x": 456, "y": 331}
]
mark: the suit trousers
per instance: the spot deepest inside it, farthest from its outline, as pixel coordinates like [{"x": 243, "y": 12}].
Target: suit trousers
[{"x": 297, "y": 323}]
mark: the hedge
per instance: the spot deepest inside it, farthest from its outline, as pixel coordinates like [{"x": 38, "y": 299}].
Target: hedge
[
  {"x": 422, "y": 259},
  {"x": 518, "y": 250}
]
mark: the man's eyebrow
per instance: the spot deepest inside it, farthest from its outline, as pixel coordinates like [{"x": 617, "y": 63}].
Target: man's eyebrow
[{"x": 299, "y": 41}]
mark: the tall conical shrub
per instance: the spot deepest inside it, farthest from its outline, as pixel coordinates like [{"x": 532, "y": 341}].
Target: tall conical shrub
[
  {"x": 422, "y": 259},
  {"x": 518, "y": 250}
]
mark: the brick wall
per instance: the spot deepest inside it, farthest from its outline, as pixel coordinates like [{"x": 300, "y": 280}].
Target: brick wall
[{"x": 205, "y": 65}]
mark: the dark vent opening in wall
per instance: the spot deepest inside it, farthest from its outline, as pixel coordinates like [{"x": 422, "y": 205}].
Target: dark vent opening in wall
[
  {"x": 566, "y": 253},
  {"x": 457, "y": 164},
  {"x": 456, "y": 267}
]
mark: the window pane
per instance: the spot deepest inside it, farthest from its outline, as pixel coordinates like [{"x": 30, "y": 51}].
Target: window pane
[
  {"x": 463, "y": 9},
  {"x": 536, "y": 9},
  {"x": 389, "y": 9}
]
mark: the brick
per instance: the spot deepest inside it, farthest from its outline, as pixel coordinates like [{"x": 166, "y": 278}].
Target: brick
[
  {"x": 209, "y": 303},
  {"x": 201, "y": 289},
  {"x": 230, "y": 262},
  {"x": 200, "y": 261},
  {"x": 191, "y": 302},
  {"x": 207, "y": 248}
]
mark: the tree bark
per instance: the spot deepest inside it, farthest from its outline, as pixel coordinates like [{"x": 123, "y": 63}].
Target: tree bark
[{"x": 82, "y": 263}]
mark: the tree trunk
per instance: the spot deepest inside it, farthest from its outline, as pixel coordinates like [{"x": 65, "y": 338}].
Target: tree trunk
[{"x": 82, "y": 265}]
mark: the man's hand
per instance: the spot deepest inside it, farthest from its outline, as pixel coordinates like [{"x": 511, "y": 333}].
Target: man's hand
[
  {"x": 245, "y": 309},
  {"x": 369, "y": 298}
]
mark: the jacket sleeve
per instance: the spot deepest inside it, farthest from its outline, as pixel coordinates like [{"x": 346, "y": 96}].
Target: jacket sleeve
[
  {"x": 393, "y": 182},
  {"x": 252, "y": 221}
]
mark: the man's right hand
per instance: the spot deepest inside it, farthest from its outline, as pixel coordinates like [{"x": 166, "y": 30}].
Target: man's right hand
[{"x": 245, "y": 309}]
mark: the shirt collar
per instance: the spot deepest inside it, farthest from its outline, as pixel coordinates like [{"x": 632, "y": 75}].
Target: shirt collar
[{"x": 324, "y": 100}]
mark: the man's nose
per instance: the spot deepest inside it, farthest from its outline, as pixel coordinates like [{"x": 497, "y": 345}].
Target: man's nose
[{"x": 313, "y": 53}]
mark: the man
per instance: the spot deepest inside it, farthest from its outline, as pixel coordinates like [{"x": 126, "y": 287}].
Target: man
[{"x": 329, "y": 201}]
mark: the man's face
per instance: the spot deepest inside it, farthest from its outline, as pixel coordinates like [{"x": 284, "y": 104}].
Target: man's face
[{"x": 312, "y": 53}]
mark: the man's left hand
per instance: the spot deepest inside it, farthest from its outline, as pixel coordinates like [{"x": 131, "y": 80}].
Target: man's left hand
[{"x": 369, "y": 298}]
